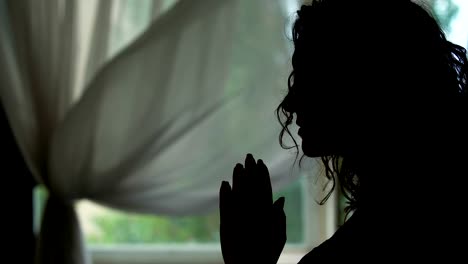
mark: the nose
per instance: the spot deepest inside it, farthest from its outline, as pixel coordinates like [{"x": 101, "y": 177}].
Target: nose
[
  {"x": 288, "y": 105},
  {"x": 299, "y": 122}
]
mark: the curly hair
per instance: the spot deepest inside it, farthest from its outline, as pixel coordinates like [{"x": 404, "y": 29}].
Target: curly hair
[{"x": 443, "y": 64}]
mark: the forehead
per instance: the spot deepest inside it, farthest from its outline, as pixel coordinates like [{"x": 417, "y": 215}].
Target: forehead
[{"x": 321, "y": 49}]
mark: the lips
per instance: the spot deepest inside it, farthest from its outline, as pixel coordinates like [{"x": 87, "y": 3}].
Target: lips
[
  {"x": 300, "y": 131},
  {"x": 299, "y": 123}
]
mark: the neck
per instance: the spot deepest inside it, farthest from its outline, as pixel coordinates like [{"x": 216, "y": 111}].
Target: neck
[{"x": 392, "y": 182}]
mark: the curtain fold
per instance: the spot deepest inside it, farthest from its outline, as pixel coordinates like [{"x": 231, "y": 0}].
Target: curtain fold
[
  {"x": 62, "y": 240},
  {"x": 152, "y": 126}
]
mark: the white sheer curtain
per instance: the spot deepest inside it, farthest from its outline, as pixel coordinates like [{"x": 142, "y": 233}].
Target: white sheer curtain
[{"x": 154, "y": 128}]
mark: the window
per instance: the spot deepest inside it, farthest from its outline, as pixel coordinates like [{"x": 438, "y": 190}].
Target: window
[
  {"x": 453, "y": 16},
  {"x": 119, "y": 237}
]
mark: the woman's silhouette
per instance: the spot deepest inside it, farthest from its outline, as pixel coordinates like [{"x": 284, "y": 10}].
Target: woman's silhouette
[{"x": 380, "y": 96}]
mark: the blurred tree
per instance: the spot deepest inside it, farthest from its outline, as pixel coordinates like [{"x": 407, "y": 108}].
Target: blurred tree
[
  {"x": 445, "y": 11},
  {"x": 115, "y": 227}
]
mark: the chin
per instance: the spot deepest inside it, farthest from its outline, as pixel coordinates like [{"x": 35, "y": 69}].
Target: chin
[
  {"x": 317, "y": 149},
  {"x": 311, "y": 152}
]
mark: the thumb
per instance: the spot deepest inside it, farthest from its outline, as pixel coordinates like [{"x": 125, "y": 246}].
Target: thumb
[
  {"x": 279, "y": 227},
  {"x": 225, "y": 199},
  {"x": 225, "y": 229},
  {"x": 279, "y": 217},
  {"x": 279, "y": 204}
]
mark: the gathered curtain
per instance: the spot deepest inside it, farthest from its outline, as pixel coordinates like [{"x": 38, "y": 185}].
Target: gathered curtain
[{"x": 147, "y": 117}]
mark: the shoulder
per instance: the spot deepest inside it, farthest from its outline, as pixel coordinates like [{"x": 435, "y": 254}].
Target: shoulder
[
  {"x": 318, "y": 255},
  {"x": 346, "y": 242},
  {"x": 330, "y": 251}
]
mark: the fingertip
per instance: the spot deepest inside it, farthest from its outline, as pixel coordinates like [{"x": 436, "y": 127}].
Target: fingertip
[
  {"x": 279, "y": 204},
  {"x": 225, "y": 184},
  {"x": 237, "y": 170},
  {"x": 249, "y": 160},
  {"x": 225, "y": 187},
  {"x": 263, "y": 167}
]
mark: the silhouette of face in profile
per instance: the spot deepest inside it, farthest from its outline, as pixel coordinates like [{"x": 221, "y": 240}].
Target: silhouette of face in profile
[
  {"x": 314, "y": 98},
  {"x": 378, "y": 93},
  {"x": 353, "y": 89},
  {"x": 319, "y": 95}
]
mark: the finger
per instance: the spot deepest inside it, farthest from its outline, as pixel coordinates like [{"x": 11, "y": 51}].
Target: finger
[
  {"x": 250, "y": 162},
  {"x": 253, "y": 189},
  {"x": 265, "y": 182},
  {"x": 279, "y": 217},
  {"x": 225, "y": 214},
  {"x": 237, "y": 178},
  {"x": 225, "y": 205},
  {"x": 254, "y": 183},
  {"x": 225, "y": 201},
  {"x": 279, "y": 227}
]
